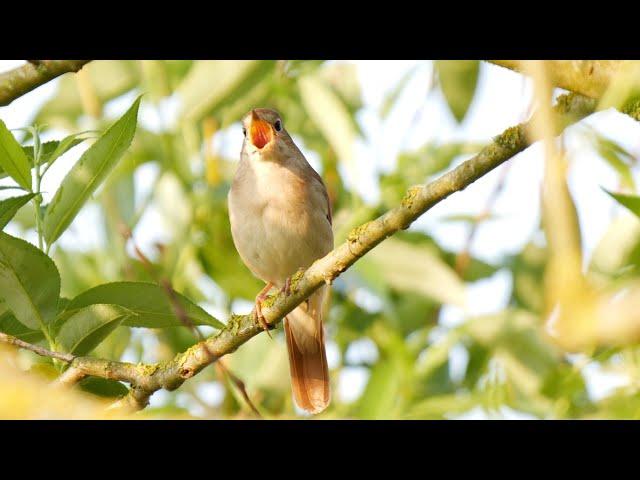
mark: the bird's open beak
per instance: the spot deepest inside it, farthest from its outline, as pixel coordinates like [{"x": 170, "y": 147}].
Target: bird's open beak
[{"x": 261, "y": 131}]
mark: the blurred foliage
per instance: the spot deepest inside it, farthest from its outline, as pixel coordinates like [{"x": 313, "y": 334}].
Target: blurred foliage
[
  {"x": 458, "y": 80},
  {"x": 386, "y": 314}
]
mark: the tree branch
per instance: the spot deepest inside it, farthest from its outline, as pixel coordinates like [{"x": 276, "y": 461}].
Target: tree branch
[
  {"x": 586, "y": 77},
  {"x": 21, "y": 80},
  {"x": 145, "y": 379},
  {"x": 70, "y": 377},
  {"x": 11, "y": 340}
]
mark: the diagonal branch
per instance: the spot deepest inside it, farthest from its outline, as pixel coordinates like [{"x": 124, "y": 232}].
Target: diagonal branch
[
  {"x": 586, "y": 77},
  {"x": 21, "y": 80},
  {"x": 145, "y": 379}
]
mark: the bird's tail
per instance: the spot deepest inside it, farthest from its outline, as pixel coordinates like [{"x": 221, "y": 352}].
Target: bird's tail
[{"x": 307, "y": 356}]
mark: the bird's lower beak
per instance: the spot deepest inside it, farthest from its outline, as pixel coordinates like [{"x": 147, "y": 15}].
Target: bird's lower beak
[{"x": 261, "y": 132}]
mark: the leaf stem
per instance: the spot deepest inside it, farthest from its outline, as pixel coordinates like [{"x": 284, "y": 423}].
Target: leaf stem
[{"x": 37, "y": 200}]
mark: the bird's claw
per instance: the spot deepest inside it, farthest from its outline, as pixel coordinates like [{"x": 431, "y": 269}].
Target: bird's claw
[
  {"x": 286, "y": 288},
  {"x": 260, "y": 317}
]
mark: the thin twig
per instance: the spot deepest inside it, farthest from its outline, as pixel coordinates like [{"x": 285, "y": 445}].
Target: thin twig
[
  {"x": 11, "y": 340},
  {"x": 239, "y": 385},
  {"x": 70, "y": 377},
  {"x": 179, "y": 311},
  {"x": 464, "y": 256}
]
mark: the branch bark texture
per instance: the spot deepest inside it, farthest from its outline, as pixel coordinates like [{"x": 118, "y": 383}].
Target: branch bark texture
[{"x": 21, "y": 80}]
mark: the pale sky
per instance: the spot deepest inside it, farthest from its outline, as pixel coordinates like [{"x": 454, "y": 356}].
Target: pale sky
[{"x": 502, "y": 100}]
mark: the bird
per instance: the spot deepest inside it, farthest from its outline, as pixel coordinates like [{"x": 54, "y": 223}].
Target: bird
[{"x": 281, "y": 222}]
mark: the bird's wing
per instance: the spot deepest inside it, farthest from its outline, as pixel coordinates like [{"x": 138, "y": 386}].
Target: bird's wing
[{"x": 319, "y": 184}]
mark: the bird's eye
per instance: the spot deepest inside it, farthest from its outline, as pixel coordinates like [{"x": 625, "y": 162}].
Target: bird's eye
[
  {"x": 244, "y": 131},
  {"x": 278, "y": 125}
]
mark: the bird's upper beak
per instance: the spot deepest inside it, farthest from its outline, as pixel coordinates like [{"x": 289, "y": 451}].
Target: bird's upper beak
[{"x": 260, "y": 131}]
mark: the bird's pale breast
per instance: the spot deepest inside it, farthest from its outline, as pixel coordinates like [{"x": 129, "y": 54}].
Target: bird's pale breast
[{"x": 278, "y": 220}]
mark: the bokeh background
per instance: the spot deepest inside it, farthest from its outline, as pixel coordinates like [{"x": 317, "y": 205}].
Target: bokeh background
[{"x": 445, "y": 320}]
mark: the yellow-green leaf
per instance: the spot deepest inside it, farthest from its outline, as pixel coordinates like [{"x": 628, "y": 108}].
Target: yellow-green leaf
[
  {"x": 409, "y": 267},
  {"x": 328, "y": 112},
  {"x": 150, "y": 303},
  {"x": 88, "y": 173},
  {"x": 10, "y": 206},
  {"x": 13, "y": 159},
  {"x": 83, "y": 330},
  {"x": 631, "y": 202},
  {"x": 213, "y": 83},
  {"x": 29, "y": 282},
  {"x": 458, "y": 80}
]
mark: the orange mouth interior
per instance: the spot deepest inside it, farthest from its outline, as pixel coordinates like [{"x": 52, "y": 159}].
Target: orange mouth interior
[{"x": 261, "y": 132}]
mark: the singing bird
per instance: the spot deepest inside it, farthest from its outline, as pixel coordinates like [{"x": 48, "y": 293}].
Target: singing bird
[{"x": 280, "y": 222}]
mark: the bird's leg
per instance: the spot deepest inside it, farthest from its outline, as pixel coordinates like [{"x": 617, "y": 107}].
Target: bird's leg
[
  {"x": 286, "y": 288},
  {"x": 259, "y": 299}
]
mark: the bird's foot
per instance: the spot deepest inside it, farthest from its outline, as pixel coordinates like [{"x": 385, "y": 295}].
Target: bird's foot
[
  {"x": 258, "y": 307},
  {"x": 286, "y": 288},
  {"x": 260, "y": 317}
]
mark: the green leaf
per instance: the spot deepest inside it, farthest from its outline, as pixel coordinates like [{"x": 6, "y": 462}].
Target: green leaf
[
  {"x": 86, "y": 175},
  {"x": 528, "y": 269},
  {"x": 343, "y": 79},
  {"x": 29, "y": 282},
  {"x": 63, "y": 146},
  {"x": 470, "y": 218},
  {"x": 618, "y": 158},
  {"x": 103, "y": 387},
  {"x": 458, "y": 80},
  {"x": 296, "y": 68},
  {"x": 10, "y": 206},
  {"x": 114, "y": 346},
  {"x": 410, "y": 311},
  {"x": 46, "y": 149},
  {"x": 623, "y": 89},
  {"x": 392, "y": 97},
  {"x": 416, "y": 166},
  {"x": 441, "y": 406},
  {"x": 118, "y": 200},
  {"x": 327, "y": 110},
  {"x": 11, "y": 326},
  {"x": 108, "y": 79},
  {"x": 12, "y": 158},
  {"x": 272, "y": 375},
  {"x": 210, "y": 84},
  {"x": 414, "y": 268},
  {"x": 381, "y": 392},
  {"x": 82, "y": 331},
  {"x": 148, "y": 301},
  {"x": 50, "y": 151},
  {"x": 617, "y": 253},
  {"x": 631, "y": 202}
]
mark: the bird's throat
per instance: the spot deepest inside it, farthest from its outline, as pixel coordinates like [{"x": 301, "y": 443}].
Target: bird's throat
[{"x": 261, "y": 133}]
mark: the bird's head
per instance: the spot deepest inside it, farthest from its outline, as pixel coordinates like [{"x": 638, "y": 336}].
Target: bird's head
[{"x": 265, "y": 136}]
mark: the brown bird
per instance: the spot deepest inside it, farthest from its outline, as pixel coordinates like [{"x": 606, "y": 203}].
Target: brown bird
[{"x": 280, "y": 222}]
